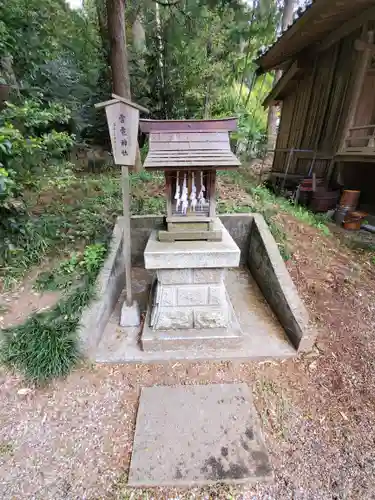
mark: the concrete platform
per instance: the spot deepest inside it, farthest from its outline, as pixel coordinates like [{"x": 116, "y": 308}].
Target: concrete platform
[
  {"x": 227, "y": 338},
  {"x": 192, "y": 254},
  {"x": 197, "y": 435},
  {"x": 263, "y": 335}
]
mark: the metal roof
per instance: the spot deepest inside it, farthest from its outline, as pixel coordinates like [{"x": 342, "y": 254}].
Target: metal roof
[{"x": 189, "y": 143}]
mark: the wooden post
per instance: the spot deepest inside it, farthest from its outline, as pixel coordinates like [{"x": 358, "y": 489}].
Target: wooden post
[
  {"x": 290, "y": 156},
  {"x": 330, "y": 171},
  {"x": 212, "y": 192},
  {"x": 363, "y": 62},
  {"x": 122, "y": 118},
  {"x": 168, "y": 191},
  {"x": 126, "y": 246}
]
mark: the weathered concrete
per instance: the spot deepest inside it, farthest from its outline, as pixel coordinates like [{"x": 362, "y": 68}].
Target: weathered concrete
[
  {"x": 130, "y": 315},
  {"x": 258, "y": 250},
  {"x": 191, "y": 254},
  {"x": 269, "y": 270},
  {"x": 238, "y": 226},
  {"x": 263, "y": 336},
  {"x": 207, "y": 333},
  {"x": 183, "y": 307},
  {"x": 198, "y": 435},
  {"x": 141, "y": 228},
  {"x": 109, "y": 284}
]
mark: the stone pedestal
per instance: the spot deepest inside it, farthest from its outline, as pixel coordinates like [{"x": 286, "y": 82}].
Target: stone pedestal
[{"x": 189, "y": 304}]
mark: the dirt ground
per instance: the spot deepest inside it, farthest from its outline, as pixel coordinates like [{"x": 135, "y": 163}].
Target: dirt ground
[{"x": 73, "y": 439}]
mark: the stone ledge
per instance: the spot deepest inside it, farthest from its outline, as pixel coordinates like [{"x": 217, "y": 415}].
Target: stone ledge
[{"x": 192, "y": 254}]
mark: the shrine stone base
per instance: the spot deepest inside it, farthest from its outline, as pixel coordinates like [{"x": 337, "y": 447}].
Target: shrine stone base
[{"x": 189, "y": 306}]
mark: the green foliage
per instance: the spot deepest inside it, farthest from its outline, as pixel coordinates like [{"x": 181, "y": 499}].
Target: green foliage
[
  {"x": 46, "y": 346},
  {"x": 266, "y": 197},
  {"x": 77, "y": 211},
  {"x": 155, "y": 205},
  {"x": 53, "y": 53},
  {"x": 72, "y": 270},
  {"x": 32, "y": 116},
  {"x": 28, "y": 146},
  {"x": 42, "y": 348},
  {"x": 7, "y": 185},
  {"x": 198, "y": 57}
]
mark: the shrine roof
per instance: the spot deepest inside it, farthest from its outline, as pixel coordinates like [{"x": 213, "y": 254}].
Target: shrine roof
[{"x": 189, "y": 143}]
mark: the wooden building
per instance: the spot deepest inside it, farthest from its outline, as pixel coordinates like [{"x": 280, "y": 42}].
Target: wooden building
[{"x": 327, "y": 93}]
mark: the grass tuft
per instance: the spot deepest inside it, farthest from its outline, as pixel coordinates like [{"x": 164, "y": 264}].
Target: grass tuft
[{"x": 44, "y": 347}]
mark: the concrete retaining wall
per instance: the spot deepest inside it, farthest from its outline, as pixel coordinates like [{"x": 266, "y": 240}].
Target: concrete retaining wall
[
  {"x": 238, "y": 226},
  {"x": 269, "y": 270},
  {"x": 258, "y": 251},
  {"x": 109, "y": 285}
]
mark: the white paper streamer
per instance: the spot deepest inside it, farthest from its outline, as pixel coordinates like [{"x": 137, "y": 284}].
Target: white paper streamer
[
  {"x": 201, "y": 198},
  {"x": 193, "y": 194},
  {"x": 177, "y": 193},
  {"x": 184, "y": 197}
]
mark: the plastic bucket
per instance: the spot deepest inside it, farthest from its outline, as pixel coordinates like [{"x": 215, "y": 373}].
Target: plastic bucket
[{"x": 340, "y": 215}]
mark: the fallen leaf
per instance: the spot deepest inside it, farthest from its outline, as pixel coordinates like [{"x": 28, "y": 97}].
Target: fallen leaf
[{"x": 24, "y": 392}]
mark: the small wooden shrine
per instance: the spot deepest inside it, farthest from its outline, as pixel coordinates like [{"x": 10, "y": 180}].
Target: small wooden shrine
[{"x": 190, "y": 152}]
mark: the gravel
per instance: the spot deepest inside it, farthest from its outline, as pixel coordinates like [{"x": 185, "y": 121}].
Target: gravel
[{"x": 73, "y": 439}]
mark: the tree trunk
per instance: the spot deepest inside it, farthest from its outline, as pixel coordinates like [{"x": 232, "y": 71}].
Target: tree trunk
[
  {"x": 287, "y": 20},
  {"x": 118, "y": 50},
  {"x": 139, "y": 36},
  {"x": 161, "y": 60},
  {"x": 101, "y": 15},
  {"x": 207, "y": 98},
  {"x": 118, "y": 54}
]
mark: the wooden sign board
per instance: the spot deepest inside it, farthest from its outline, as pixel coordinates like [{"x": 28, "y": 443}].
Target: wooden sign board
[{"x": 122, "y": 122}]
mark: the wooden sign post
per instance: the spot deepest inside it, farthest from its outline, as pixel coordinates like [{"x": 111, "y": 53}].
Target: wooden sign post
[{"x": 122, "y": 119}]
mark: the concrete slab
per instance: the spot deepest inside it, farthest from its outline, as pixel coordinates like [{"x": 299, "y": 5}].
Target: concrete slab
[
  {"x": 192, "y": 254},
  {"x": 197, "y": 435},
  {"x": 263, "y": 336}
]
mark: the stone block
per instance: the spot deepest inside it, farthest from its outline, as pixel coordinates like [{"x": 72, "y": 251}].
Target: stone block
[
  {"x": 175, "y": 276},
  {"x": 192, "y": 254},
  {"x": 174, "y": 319},
  {"x": 168, "y": 294},
  {"x": 208, "y": 275},
  {"x": 222, "y": 443},
  {"x": 213, "y": 317},
  {"x": 192, "y": 295},
  {"x": 216, "y": 295},
  {"x": 130, "y": 315},
  {"x": 162, "y": 341}
]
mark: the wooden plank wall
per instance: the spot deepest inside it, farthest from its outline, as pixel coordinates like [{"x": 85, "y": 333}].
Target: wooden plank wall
[
  {"x": 365, "y": 113},
  {"x": 283, "y": 135},
  {"x": 340, "y": 89},
  {"x": 313, "y": 113}
]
